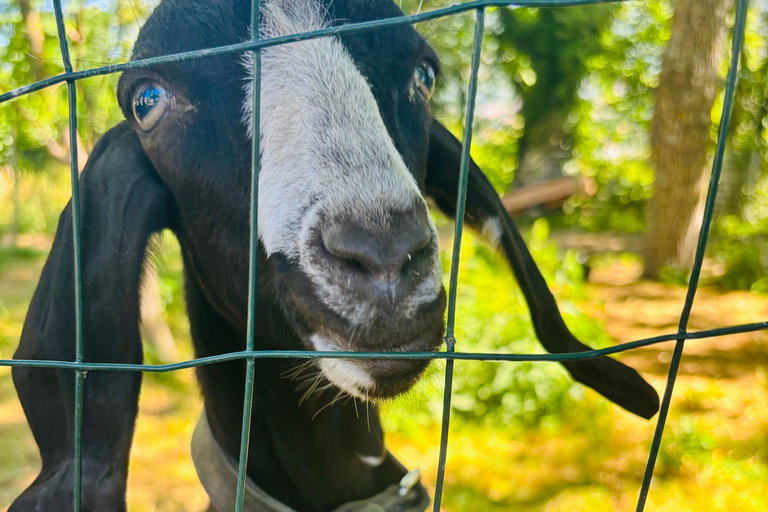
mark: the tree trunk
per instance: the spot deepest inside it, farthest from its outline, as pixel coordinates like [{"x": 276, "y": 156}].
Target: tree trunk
[
  {"x": 544, "y": 148},
  {"x": 35, "y": 38},
  {"x": 680, "y": 131}
]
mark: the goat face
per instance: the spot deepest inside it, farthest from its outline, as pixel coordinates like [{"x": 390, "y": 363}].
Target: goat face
[{"x": 346, "y": 236}]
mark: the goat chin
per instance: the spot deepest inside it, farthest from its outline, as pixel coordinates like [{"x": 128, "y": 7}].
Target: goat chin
[
  {"x": 355, "y": 377},
  {"x": 349, "y": 377}
]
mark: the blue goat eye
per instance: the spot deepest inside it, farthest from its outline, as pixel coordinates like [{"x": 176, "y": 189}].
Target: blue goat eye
[
  {"x": 424, "y": 79},
  {"x": 150, "y": 103}
]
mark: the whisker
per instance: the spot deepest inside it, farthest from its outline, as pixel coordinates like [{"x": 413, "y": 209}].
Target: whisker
[
  {"x": 311, "y": 388},
  {"x": 297, "y": 370},
  {"x": 339, "y": 396},
  {"x": 308, "y": 380},
  {"x": 367, "y": 412}
]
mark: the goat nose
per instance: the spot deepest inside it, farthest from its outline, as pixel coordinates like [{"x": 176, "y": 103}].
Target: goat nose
[{"x": 384, "y": 254}]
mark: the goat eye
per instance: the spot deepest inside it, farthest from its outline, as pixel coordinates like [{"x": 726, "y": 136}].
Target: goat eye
[
  {"x": 424, "y": 79},
  {"x": 149, "y": 104}
]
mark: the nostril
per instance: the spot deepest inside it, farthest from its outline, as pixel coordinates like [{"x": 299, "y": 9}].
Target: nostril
[
  {"x": 415, "y": 258},
  {"x": 415, "y": 247},
  {"x": 384, "y": 256},
  {"x": 353, "y": 248},
  {"x": 355, "y": 265}
]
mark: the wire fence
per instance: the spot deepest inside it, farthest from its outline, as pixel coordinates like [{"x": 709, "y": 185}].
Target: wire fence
[{"x": 70, "y": 76}]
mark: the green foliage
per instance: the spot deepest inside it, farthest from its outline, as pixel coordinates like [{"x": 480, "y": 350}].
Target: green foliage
[
  {"x": 492, "y": 317},
  {"x": 740, "y": 248},
  {"x": 674, "y": 274},
  {"x": 37, "y": 123},
  {"x": 581, "y": 75},
  {"x": 613, "y": 118},
  {"x": 19, "y": 255},
  {"x": 42, "y": 196},
  {"x": 543, "y": 52},
  {"x": 167, "y": 258},
  {"x": 743, "y": 265},
  {"x": 533, "y": 63},
  {"x": 597, "y": 68}
]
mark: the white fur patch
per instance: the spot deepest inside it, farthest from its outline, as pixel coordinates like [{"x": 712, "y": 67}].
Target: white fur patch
[
  {"x": 322, "y": 138},
  {"x": 492, "y": 231},
  {"x": 372, "y": 460},
  {"x": 346, "y": 374},
  {"x": 325, "y": 151}
]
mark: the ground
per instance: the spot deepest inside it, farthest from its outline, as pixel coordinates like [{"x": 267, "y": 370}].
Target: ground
[{"x": 714, "y": 455}]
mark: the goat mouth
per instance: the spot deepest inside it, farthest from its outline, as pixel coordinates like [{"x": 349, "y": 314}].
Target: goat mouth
[
  {"x": 373, "y": 380},
  {"x": 370, "y": 379},
  {"x": 394, "y": 377}
]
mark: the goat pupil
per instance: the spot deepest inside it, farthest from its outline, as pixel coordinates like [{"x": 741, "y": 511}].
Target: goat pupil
[
  {"x": 425, "y": 79},
  {"x": 149, "y": 105},
  {"x": 147, "y": 100}
]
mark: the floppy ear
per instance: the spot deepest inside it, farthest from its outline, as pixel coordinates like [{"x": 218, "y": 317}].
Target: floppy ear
[
  {"x": 485, "y": 212},
  {"x": 122, "y": 204}
]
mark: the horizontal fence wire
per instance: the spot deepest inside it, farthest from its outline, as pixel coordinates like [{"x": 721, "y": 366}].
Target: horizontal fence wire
[
  {"x": 254, "y": 45},
  {"x": 456, "y": 356}
]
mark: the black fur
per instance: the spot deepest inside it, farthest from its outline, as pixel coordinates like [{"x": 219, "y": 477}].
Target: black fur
[{"x": 193, "y": 178}]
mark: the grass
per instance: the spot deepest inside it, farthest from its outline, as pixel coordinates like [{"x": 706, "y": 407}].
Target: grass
[{"x": 542, "y": 444}]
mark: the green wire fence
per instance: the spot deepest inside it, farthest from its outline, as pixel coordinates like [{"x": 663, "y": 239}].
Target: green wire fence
[{"x": 70, "y": 76}]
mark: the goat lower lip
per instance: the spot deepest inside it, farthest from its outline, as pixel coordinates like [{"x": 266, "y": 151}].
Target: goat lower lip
[
  {"x": 396, "y": 370},
  {"x": 392, "y": 380}
]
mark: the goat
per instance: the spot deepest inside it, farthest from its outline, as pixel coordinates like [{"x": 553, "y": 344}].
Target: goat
[{"x": 348, "y": 255}]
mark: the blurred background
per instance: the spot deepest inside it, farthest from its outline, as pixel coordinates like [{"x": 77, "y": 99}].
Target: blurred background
[{"x": 597, "y": 127}]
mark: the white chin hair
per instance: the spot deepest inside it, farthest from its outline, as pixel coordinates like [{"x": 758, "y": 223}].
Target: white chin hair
[{"x": 345, "y": 374}]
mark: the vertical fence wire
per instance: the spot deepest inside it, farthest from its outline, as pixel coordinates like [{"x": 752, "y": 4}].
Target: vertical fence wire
[
  {"x": 693, "y": 283},
  {"x": 76, "y": 247},
  {"x": 252, "y": 263},
  {"x": 461, "y": 193}
]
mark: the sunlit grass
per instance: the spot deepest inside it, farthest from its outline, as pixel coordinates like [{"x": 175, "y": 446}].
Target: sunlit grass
[{"x": 711, "y": 460}]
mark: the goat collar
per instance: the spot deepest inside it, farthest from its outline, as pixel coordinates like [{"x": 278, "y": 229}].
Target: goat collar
[{"x": 218, "y": 473}]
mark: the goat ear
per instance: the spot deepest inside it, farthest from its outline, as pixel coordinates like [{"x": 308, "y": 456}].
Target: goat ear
[
  {"x": 122, "y": 204},
  {"x": 485, "y": 212}
]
